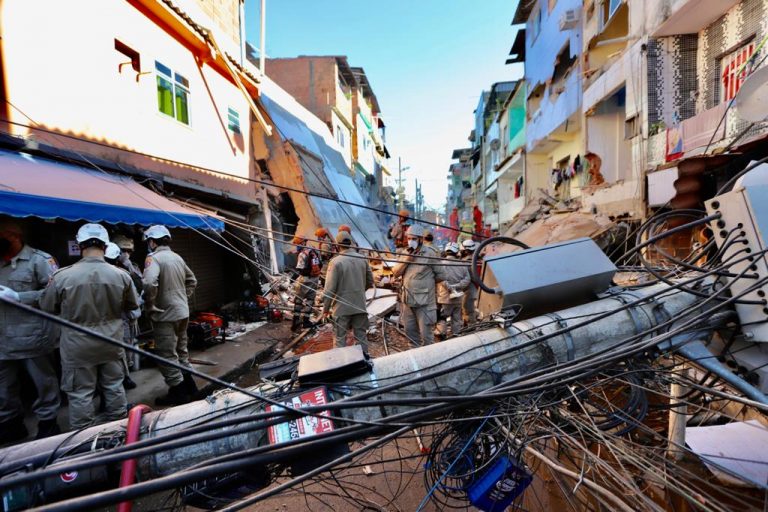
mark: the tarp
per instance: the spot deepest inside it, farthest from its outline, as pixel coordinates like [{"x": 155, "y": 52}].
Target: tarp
[
  {"x": 38, "y": 187},
  {"x": 299, "y": 126}
]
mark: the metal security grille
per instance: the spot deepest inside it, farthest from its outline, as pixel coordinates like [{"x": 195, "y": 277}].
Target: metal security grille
[
  {"x": 207, "y": 261},
  {"x": 733, "y": 70}
]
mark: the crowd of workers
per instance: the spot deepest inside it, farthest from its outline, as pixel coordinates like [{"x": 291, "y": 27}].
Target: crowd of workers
[
  {"x": 435, "y": 285},
  {"x": 104, "y": 292}
]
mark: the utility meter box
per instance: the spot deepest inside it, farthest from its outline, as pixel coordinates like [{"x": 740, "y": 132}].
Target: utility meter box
[
  {"x": 743, "y": 230},
  {"x": 546, "y": 279}
]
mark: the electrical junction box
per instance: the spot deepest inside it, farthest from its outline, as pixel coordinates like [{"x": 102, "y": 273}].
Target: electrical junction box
[
  {"x": 546, "y": 279},
  {"x": 332, "y": 365},
  {"x": 744, "y": 216}
]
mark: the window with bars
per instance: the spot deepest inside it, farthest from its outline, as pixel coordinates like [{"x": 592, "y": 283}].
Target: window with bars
[
  {"x": 733, "y": 70},
  {"x": 172, "y": 93}
]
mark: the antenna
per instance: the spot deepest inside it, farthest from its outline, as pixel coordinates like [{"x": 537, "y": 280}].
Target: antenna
[{"x": 752, "y": 98}]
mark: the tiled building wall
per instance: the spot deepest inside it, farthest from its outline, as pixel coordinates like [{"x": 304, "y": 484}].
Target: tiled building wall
[
  {"x": 672, "y": 79},
  {"x": 684, "y": 71}
]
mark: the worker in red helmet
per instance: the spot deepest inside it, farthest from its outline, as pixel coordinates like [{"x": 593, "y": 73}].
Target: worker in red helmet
[
  {"x": 346, "y": 228},
  {"x": 326, "y": 248},
  {"x": 397, "y": 231},
  {"x": 308, "y": 269}
]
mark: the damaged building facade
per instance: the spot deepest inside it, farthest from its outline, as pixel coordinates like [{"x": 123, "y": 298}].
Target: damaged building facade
[
  {"x": 629, "y": 105},
  {"x": 145, "y": 117},
  {"x": 160, "y": 100}
]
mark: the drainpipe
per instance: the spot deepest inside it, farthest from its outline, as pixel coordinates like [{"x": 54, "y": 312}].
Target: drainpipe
[{"x": 132, "y": 434}]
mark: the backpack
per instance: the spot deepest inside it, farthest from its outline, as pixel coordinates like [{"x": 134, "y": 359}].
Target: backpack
[{"x": 314, "y": 264}]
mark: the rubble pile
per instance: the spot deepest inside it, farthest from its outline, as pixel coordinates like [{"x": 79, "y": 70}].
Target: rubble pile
[{"x": 547, "y": 220}]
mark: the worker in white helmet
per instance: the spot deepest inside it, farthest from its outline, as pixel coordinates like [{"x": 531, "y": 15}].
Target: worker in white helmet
[
  {"x": 418, "y": 304},
  {"x": 450, "y": 293},
  {"x": 168, "y": 285},
  {"x": 112, "y": 256},
  {"x": 94, "y": 294},
  {"x": 468, "y": 309},
  {"x": 26, "y": 342}
]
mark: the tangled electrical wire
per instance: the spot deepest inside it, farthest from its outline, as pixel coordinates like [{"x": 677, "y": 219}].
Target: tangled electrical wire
[{"x": 589, "y": 431}]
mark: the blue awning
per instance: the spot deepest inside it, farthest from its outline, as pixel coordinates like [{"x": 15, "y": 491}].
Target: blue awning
[{"x": 37, "y": 187}]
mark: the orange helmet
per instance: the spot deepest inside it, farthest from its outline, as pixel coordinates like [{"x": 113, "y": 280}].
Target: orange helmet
[
  {"x": 298, "y": 240},
  {"x": 404, "y": 213},
  {"x": 346, "y": 228},
  {"x": 321, "y": 232}
]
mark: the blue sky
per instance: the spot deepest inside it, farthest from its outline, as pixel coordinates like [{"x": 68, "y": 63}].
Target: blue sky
[{"x": 427, "y": 61}]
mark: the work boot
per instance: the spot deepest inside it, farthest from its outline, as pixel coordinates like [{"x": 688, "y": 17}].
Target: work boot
[
  {"x": 177, "y": 395},
  {"x": 189, "y": 385},
  {"x": 47, "y": 428},
  {"x": 296, "y": 325},
  {"x": 13, "y": 430},
  {"x": 128, "y": 383}
]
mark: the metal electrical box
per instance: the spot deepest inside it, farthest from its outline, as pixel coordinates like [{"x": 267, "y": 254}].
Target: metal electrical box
[
  {"x": 744, "y": 217},
  {"x": 546, "y": 279}
]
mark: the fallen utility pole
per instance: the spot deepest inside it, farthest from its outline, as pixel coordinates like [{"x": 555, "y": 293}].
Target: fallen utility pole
[{"x": 470, "y": 364}]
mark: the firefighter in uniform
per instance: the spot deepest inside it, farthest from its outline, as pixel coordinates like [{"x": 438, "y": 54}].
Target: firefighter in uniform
[
  {"x": 26, "y": 340},
  {"x": 94, "y": 294},
  {"x": 349, "y": 276},
  {"x": 448, "y": 298},
  {"x": 131, "y": 331},
  {"x": 308, "y": 267},
  {"x": 468, "y": 311},
  {"x": 168, "y": 283},
  {"x": 417, "y": 293},
  {"x": 112, "y": 256},
  {"x": 326, "y": 248},
  {"x": 397, "y": 232}
]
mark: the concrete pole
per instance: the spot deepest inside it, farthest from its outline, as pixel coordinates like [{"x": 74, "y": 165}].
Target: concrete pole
[
  {"x": 476, "y": 377},
  {"x": 678, "y": 419},
  {"x": 263, "y": 40}
]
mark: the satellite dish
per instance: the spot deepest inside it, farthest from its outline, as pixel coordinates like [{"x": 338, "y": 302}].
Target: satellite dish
[
  {"x": 495, "y": 144},
  {"x": 752, "y": 98}
]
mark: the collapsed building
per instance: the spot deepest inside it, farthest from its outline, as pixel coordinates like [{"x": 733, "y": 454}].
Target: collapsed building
[{"x": 572, "y": 392}]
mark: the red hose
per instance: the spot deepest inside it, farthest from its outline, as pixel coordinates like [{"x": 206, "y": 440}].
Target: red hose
[{"x": 128, "y": 470}]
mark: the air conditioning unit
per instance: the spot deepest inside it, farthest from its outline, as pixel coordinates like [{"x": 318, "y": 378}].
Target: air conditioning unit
[{"x": 569, "y": 19}]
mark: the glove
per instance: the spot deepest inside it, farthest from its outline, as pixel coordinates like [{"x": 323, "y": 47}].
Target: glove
[{"x": 8, "y": 294}]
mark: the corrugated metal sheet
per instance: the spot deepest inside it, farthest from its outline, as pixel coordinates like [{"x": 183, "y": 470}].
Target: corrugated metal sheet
[{"x": 300, "y": 127}]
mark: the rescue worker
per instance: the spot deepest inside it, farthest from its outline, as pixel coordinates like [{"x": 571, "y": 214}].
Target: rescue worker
[
  {"x": 131, "y": 329},
  {"x": 325, "y": 244},
  {"x": 348, "y": 230},
  {"x": 349, "y": 276},
  {"x": 308, "y": 270},
  {"x": 429, "y": 240},
  {"x": 93, "y": 294},
  {"x": 112, "y": 256},
  {"x": 26, "y": 341},
  {"x": 417, "y": 292},
  {"x": 398, "y": 232},
  {"x": 451, "y": 292},
  {"x": 124, "y": 260},
  {"x": 168, "y": 284},
  {"x": 468, "y": 311},
  {"x": 326, "y": 249}
]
